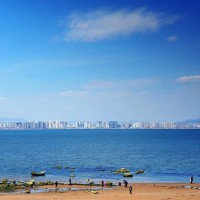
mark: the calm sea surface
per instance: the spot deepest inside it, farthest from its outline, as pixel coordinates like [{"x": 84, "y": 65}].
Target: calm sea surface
[{"x": 165, "y": 155}]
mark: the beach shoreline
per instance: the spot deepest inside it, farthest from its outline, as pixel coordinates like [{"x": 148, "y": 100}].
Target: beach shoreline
[{"x": 142, "y": 191}]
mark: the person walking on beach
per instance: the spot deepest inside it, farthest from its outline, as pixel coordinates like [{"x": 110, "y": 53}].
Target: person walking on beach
[
  {"x": 56, "y": 183},
  {"x": 70, "y": 181},
  {"x": 102, "y": 184},
  {"x": 125, "y": 183},
  {"x": 130, "y": 189},
  {"x": 191, "y": 179}
]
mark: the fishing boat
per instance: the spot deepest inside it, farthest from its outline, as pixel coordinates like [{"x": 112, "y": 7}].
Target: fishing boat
[{"x": 41, "y": 173}]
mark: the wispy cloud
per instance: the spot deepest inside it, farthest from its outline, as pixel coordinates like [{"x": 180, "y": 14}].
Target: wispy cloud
[
  {"x": 102, "y": 24},
  {"x": 185, "y": 79},
  {"x": 2, "y": 98},
  {"x": 72, "y": 93},
  {"x": 172, "y": 38},
  {"x": 117, "y": 84}
]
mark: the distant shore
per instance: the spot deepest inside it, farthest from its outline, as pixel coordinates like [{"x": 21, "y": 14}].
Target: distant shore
[
  {"x": 141, "y": 191},
  {"x": 15, "y": 129},
  {"x": 56, "y": 124}
]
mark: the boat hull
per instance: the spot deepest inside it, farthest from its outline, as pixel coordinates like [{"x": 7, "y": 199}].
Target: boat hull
[{"x": 38, "y": 173}]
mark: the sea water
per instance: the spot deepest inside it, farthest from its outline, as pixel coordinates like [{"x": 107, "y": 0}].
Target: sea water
[{"x": 164, "y": 155}]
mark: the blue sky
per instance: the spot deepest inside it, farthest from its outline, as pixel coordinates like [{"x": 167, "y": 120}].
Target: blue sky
[{"x": 100, "y": 60}]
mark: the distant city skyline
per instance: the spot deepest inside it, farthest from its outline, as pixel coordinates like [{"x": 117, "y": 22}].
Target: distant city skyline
[
  {"x": 100, "y": 60},
  {"x": 55, "y": 124}
]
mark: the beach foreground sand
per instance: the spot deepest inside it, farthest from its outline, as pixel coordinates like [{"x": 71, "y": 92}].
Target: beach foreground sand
[{"x": 141, "y": 191}]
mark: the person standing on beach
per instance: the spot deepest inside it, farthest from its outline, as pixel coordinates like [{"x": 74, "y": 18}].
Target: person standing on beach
[
  {"x": 102, "y": 184},
  {"x": 125, "y": 183},
  {"x": 130, "y": 189},
  {"x": 191, "y": 179},
  {"x": 56, "y": 183}
]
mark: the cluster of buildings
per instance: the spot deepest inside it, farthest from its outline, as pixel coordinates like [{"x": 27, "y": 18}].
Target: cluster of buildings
[{"x": 97, "y": 125}]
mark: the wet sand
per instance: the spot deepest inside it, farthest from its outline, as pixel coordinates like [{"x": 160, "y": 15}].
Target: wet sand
[{"x": 141, "y": 191}]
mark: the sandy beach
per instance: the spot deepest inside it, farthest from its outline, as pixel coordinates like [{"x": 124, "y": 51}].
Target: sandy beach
[{"x": 141, "y": 191}]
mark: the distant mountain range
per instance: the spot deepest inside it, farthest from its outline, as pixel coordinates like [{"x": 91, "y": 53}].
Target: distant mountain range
[
  {"x": 192, "y": 121},
  {"x": 189, "y": 121}
]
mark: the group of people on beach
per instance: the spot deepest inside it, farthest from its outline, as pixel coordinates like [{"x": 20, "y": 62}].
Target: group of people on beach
[
  {"x": 119, "y": 184},
  {"x": 70, "y": 183},
  {"x": 125, "y": 183}
]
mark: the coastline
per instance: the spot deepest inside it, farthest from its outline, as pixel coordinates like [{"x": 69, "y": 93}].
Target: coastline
[{"x": 142, "y": 191}]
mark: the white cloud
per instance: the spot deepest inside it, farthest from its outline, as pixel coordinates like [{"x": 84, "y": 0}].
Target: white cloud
[
  {"x": 117, "y": 84},
  {"x": 172, "y": 38},
  {"x": 185, "y": 79},
  {"x": 72, "y": 93},
  {"x": 102, "y": 24}
]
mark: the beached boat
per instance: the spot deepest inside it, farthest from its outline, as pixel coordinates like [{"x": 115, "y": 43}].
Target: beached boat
[{"x": 41, "y": 173}]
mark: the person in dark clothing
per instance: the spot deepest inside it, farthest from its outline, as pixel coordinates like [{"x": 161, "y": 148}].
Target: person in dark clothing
[
  {"x": 130, "y": 189},
  {"x": 56, "y": 183},
  {"x": 102, "y": 184},
  {"x": 125, "y": 183},
  {"x": 70, "y": 181},
  {"x": 191, "y": 179}
]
